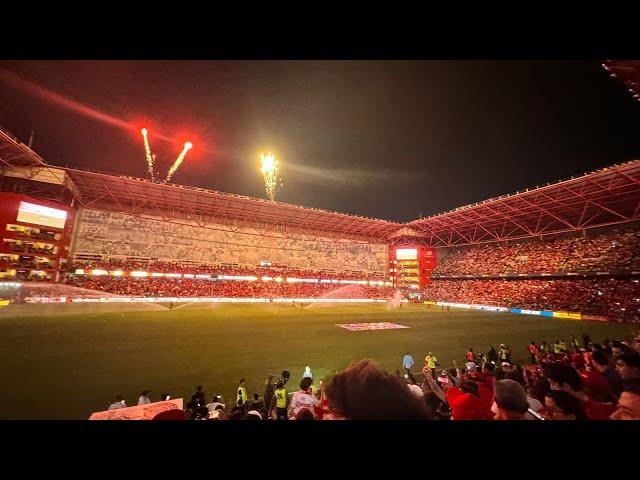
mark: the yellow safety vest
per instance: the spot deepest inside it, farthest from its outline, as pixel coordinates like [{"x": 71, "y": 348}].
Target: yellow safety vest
[
  {"x": 281, "y": 398},
  {"x": 242, "y": 395}
]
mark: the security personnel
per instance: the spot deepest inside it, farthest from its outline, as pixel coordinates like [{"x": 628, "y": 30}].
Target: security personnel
[
  {"x": 241, "y": 397},
  {"x": 431, "y": 362},
  {"x": 281, "y": 401},
  {"x": 563, "y": 346},
  {"x": 557, "y": 348}
]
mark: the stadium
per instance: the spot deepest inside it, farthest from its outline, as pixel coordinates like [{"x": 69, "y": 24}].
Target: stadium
[{"x": 159, "y": 287}]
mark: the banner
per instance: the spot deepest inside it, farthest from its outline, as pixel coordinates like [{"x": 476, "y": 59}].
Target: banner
[{"x": 139, "y": 412}]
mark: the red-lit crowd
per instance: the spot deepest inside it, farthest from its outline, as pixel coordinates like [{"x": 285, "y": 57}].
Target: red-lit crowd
[
  {"x": 197, "y": 268},
  {"x": 616, "y": 299},
  {"x": 578, "y": 380},
  {"x": 611, "y": 252},
  {"x": 167, "y": 287}
]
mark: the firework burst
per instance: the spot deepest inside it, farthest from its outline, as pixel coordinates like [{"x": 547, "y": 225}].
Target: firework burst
[
  {"x": 147, "y": 151},
  {"x": 178, "y": 162},
  {"x": 269, "y": 169}
]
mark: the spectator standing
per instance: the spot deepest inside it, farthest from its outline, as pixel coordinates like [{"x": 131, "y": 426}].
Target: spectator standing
[
  {"x": 492, "y": 356},
  {"x": 471, "y": 357},
  {"x": 119, "y": 403},
  {"x": 144, "y": 398},
  {"x": 407, "y": 363},
  {"x": 269, "y": 389},
  {"x": 303, "y": 399},
  {"x": 533, "y": 352}
]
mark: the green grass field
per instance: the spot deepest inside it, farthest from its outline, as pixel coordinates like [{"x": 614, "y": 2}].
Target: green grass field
[{"x": 67, "y": 365}]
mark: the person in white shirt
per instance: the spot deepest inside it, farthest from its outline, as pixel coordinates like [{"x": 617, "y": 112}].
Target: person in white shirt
[
  {"x": 119, "y": 403},
  {"x": 303, "y": 398},
  {"x": 216, "y": 402},
  {"x": 144, "y": 398}
]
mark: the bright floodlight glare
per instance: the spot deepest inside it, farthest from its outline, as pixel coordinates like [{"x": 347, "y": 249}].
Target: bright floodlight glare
[
  {"x": 144, "y": 131},
  {"x": 188, "y": 145}
]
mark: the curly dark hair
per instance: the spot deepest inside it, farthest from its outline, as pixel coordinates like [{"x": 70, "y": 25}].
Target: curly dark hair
[{"x": 364, "y": 392}]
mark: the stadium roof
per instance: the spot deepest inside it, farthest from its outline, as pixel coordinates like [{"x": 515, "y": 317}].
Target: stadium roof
[
  {"x": 604, "y": 197},
  {"x": 15, "y": 153},
  {"x": 628, "y": 71},
  {"x": 133, "y": 195}
]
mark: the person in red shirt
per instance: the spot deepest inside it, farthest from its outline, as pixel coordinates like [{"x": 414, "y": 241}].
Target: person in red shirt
[{"x": 471, "y": 357}]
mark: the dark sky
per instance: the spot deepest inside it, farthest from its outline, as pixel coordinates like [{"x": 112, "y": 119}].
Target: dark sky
[{"x": 387, "y": 139}]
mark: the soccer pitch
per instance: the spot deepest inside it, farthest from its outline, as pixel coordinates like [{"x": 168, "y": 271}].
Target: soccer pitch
[{"x": 73, "y": 361}]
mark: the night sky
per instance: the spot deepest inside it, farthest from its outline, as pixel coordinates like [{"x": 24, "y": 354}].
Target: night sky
[{"x": 386, "y": 139}]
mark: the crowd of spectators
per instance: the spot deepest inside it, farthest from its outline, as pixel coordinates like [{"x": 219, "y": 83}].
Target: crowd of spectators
[
  {"x": 617, "y": 299},
  {"x": 169, "y": 287},
  {"x": 574, "y": 381},
  {"x": 197, "y": 268},
  {"x": 610, "y": 252}
]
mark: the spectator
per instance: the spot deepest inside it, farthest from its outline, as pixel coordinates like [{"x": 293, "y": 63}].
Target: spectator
[
  {"x": 269, "y": 389},
  {"x": 414, "y": 387},
  {"x": 119, "y": 403},
  {"x": 628, "y": 407},
  {"x": 303, "y": 398},
  {"x": 253, "y": 415},
  {"x": 471, "y": 357},
  {"x": 533, "y": 351},
  {"x": 197, "y": 399},
  {"x": 560, "y": 405},
  {"x": 600, "y": 362},
  {"x": 363, "y": 392},
  {"x": 628, "y": 366},
  {"x": 436, "y": 408},
  {"x": 216, "y": 404},
  {"x": 304, "y": 414},
  {"x": 511, "y": 400},
  {"x": 466, "y": 404},
  {"x": 564, "y": 377},
  {"x": 492, "y": 356},
  {"x": 407, "y": 363},
  {"x": 144, "y": 398}
]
